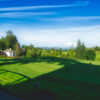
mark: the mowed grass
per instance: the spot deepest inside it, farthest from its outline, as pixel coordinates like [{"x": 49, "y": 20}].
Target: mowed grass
[
  {"x": 9, "y": 73},
  {"x": 63, "y": 78}
]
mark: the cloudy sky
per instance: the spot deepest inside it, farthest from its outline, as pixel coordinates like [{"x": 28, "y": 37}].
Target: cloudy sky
[{"x": 52, "y": 23}]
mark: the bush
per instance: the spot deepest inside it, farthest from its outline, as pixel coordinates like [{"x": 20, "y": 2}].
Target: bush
[
  {"x": 20, "y": 52},
  {"x": 90, "y": 55},
  {"x": 71, "y": 53},
  {"x": 29, "y": 53}
]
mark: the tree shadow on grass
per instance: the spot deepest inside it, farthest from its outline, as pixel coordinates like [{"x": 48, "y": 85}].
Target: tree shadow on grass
[
  {"x": 63, "y": 61},
  {"x": 75, "y": 81}
]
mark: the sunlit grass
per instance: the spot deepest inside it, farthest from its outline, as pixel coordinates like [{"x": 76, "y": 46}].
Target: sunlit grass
[
  {"x": 7, "y": 78},
  {"x": 12, "y": 73}
]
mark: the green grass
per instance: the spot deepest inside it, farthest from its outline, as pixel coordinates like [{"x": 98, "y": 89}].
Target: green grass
[
  {"x": 11, "y": 73},
  {"x": 65, "y": 78}
]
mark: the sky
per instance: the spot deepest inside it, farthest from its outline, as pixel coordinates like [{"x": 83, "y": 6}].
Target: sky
[{"x": 52, "y": 23}]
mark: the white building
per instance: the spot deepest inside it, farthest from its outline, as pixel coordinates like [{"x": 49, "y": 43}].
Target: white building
[{"x": 10, "y": 53}]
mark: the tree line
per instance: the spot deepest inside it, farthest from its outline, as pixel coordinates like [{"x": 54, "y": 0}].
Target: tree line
[{"x": 80, "y": 51}]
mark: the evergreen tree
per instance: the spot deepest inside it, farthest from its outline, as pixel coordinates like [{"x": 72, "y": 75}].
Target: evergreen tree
[{"x": 80, "y": 50}]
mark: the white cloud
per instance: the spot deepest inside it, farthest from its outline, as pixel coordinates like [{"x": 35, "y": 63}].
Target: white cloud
[
  {"x": 72, "y": 18},
  {"x": 75, "y": 4},
  {"x": 23, "y": 14},
  {"x": 62, "y": 37}
]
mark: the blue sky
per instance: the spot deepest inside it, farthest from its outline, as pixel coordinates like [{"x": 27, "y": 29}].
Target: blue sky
[{"x": 52, "y": 23}]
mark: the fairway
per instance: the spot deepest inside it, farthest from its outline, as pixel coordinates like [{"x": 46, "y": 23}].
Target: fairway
[
  {"x": 9, "y": 74},
  {"x": 59, "y": 78}
]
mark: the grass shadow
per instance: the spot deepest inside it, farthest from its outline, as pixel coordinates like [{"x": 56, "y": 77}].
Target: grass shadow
[{"x": 75, "y": 81}]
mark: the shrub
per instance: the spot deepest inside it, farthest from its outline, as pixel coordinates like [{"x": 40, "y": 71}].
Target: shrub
[
  {"x": 90, "y": 55},
  {"x": 29, "y": 53},
  {"x": 71, "y": 53}
]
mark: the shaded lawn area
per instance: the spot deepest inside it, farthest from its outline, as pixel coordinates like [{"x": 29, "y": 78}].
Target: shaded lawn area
[
  {"x": 50, "y": 78},
  {"x": 5, "y": 96}
]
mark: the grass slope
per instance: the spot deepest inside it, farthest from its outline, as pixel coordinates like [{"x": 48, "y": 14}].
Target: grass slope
[{"x": 57, "y": 78}]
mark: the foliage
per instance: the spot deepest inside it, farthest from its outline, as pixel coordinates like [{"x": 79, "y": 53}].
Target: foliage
[
  {"x": 2, "y": 43},
  {"x": 59, "y": 52},
  {"x": 20, "y": 52},
  {"x": 80, "y": 50},
  {"x": 71, "y": 53},
  {"x": 11, "y": 40},
  {"x": 90, "y": 54},
  {"x": 29, "y": 51},
  {"x": 97, "y": 48}
]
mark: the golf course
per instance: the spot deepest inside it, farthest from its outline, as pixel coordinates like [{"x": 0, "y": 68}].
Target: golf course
[
  {"x": 49, "y": 49},
  {"x": 50, "y": 78}
]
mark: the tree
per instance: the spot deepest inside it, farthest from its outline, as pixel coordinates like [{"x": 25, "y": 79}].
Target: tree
[
  {"x": 38, "y": 52},
  {"x": 2, "y": 43},
  {"x": 71, "y": 53},
  {"x": 60, "y": 52},
  {"x": 30, "y": 51},
  {"x": 90, "y": 54},
  {"x": 11, "y": 40},
  {"x": 80, "y": 50},
  {"x": 19, "y": 51},
  {"x": 97, "y": 48}
]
